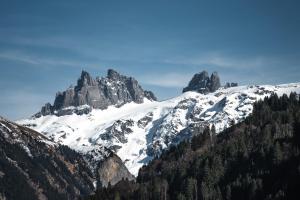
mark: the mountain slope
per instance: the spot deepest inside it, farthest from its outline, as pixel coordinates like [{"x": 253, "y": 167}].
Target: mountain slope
[
  {"x": 137, "y": 132},
  {"x": 34, "y": 167},
  {"x": 258, "y": 158}
]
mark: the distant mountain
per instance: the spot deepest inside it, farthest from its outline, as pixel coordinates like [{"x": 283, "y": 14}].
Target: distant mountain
[
  {"x": 257, "y": 159},
  {"x": 204, "y": 84},
  {"x": 34, "y": 167},
  {"x": 139, "y": 130},
  {"x": 89, "y": 93}
]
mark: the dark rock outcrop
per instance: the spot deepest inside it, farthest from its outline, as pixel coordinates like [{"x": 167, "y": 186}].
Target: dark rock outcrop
[
  {"x": 214, "y": 82},
  {"x": 202, "y": 83},
  {"x": 150, "y": 95},
  {"x": 228, "y": 85},
  {"x": 47, "y": 109},
  {"x": 114, "y": 89},
  {"x": 118, "y": 131}
]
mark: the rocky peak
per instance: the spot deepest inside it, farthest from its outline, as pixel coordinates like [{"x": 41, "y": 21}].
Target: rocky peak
[
  {"x": 85, "y": 80},
  {"x": 214, "y": 82},
  {"x": 150, "y": 95},
  {"x": 202, "y": 83},
  {"x": 113, "y": 75},
  {"x": 114, "y": 89}
]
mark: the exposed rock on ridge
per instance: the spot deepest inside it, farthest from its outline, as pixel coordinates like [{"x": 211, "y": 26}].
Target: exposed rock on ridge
[
  {"x": 114, "y": 89},
  {"x": 204, "y": 84}
]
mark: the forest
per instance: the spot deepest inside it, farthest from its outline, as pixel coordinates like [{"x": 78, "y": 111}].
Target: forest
[{"x": 258, "y": 158}]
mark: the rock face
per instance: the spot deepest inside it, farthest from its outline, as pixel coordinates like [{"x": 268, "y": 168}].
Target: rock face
[
  {"x": 114, "y": 89},
  {"x": 202, "y": 83},
  {"x": 228, "y": 85},
  {"x": 112, "y": 171}
]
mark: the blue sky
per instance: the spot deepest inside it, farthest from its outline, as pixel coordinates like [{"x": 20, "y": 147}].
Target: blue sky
[{"x": 44, "y": 45}]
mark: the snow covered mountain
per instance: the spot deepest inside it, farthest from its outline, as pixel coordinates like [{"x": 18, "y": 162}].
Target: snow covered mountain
[
  {"x": 34, "y": 167},
  {"x": 138, "y": 131}
]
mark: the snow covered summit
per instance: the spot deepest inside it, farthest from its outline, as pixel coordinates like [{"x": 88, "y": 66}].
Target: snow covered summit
[{"x": 138, "y": 131}]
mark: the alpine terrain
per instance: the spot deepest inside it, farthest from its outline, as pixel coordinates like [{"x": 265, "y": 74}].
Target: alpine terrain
[
  {"x": 115, "y": 113},
  {"x": 34, "y": 167}
]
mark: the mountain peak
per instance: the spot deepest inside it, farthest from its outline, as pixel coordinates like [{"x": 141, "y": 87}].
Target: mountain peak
[
  {"x": 202, "y": 83},
  {"x": 214, "y": 73},
  {"x": 204, "y": 72},
  {"x": 85, "y": 79},
  {"x": 112, "y": 74},
  {"x": 114, "y": 89}
]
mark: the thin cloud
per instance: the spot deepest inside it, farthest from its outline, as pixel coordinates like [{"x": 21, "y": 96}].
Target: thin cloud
[
  {"x": 222, "y": 61},
  {"x": 57, "y": 42},
  {"x": 19, "y": 56},
  {"x": 172, "y": 80}
]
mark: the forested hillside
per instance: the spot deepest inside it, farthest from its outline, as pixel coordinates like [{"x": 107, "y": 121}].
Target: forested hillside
[{"x": 255, "y": 159}]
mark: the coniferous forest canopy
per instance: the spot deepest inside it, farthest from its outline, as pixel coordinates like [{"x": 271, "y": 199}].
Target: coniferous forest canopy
[{"x": 258, "y": 158}]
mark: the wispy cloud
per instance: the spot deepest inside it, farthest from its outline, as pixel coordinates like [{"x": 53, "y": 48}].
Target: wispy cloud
[
  {"x": 19, "y": 56},
  {"x": 58, "y": 42},
  {"x": 175, "y": 80},
  {"x": 222, "y": 61},
  {"x": 15, "y": 56}
]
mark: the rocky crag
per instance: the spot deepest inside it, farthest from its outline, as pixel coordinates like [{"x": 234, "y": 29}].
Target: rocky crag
[
  {"x": 202, "y": 83},
  {"x": 114, "y": 89}
]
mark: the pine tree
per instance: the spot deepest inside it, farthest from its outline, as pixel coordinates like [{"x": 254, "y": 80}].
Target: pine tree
[
  {"x": 213, "y": 134},
  {"x": 117, "y": 196},
  {"x": 228, "y": 192},
  {"x": 180, "y": 196},
  {"x": 277, "y": 153}
]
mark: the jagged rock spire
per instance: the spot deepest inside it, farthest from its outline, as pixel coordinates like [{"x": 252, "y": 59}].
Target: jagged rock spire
[
  {"x": 202, "y": 83},
  {"x": 85, "y": 79},
  {"x": 214, "y": 82}
]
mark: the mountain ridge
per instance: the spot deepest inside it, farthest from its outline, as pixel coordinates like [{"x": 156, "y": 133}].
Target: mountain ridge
[{"x": 152, "y": 126}]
